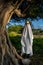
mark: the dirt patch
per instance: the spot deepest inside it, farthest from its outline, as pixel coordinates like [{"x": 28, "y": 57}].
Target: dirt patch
[{"x": 38, "y": 36}]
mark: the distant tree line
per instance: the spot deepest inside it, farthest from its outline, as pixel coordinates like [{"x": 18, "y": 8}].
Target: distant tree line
[{"x": 19, "y": 29}]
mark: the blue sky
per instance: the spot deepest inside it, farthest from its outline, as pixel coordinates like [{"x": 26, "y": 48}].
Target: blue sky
[{"x": 36, "y": 23}]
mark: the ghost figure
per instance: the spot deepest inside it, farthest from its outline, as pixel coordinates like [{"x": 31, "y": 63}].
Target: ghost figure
[{"x": 27, "y": 40}]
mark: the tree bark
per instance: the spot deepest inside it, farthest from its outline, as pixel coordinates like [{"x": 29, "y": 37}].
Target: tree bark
[{"x": 8, "y": 54}]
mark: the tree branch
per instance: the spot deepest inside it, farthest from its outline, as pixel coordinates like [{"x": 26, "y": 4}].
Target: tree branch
[
  {"x": 19, "y": 3},
  {"x": 13, "y": 4},
  {"x": 18, "y": 13},
  {"x": 26, "y": 9}
]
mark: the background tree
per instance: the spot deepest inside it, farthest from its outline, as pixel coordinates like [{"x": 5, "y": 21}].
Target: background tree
[
  {"x": 15, "y": 28},
  {"x": 16, "y": 9}
]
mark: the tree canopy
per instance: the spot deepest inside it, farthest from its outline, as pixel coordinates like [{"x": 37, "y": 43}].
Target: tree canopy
[{"x": 31, "y": 8}]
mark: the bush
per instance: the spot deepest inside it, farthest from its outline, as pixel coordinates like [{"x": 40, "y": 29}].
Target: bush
[{"x": 17, "y": 29}]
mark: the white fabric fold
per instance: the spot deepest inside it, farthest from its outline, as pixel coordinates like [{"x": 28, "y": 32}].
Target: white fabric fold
[{"x": 27, "y": 40}]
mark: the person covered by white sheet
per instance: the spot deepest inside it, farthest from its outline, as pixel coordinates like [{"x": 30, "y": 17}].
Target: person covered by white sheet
[{"x": 27, "y": 40}]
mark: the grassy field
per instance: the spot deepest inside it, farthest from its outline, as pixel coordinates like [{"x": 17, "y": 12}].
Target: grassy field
[
  {"x": 37, "y": 58},
  {"x": 15, "y": 37},
  {"x": 37, "y": 42}
]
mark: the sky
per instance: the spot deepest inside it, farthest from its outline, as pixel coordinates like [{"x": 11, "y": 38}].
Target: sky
[{"x": 37, "y": 24}]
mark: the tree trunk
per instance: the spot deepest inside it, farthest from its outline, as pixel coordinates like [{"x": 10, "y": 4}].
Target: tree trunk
[{"x": 8, "y": 54}]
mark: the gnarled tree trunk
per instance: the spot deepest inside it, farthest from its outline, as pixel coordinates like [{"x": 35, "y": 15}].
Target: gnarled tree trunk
[{"x": 8, "y": 54}]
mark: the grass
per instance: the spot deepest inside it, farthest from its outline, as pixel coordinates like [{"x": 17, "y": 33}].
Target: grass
[
  {"x": 37, "y": 58},
  {"x": 37, "y": 43}
]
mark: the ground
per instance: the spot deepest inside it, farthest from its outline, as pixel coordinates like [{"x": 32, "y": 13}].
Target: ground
[{"x": 37, "y": 58}]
